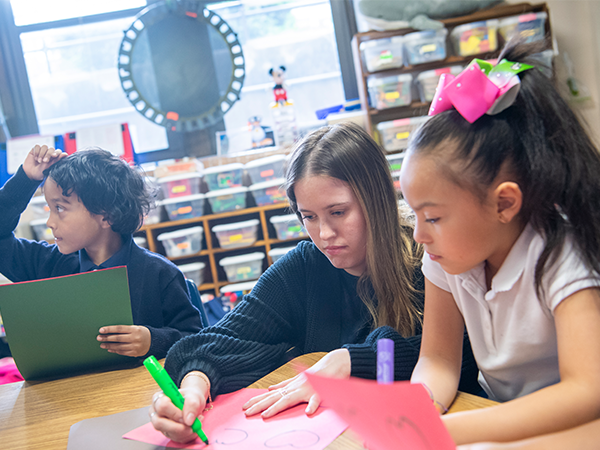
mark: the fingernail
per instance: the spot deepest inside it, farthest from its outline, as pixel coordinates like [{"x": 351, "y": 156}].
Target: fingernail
[
  {"x": 103, "y": 346},
  {"x": 190, "y": 418},
  {"x": 101, "y": 330}
]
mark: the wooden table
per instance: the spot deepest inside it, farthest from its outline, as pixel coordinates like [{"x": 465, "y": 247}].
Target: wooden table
[{"x": 39, "y": 414}]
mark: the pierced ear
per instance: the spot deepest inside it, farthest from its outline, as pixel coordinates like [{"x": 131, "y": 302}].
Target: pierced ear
[{"x": 509, "y": 200}]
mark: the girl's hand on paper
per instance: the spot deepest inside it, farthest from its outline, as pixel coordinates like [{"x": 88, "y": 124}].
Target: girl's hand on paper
[
  {"x": 173, "y": 422},
  {"x": 126, "y": 340},
  {"x": 39, "y": 159},
  {"x": 289, "y": 393}
]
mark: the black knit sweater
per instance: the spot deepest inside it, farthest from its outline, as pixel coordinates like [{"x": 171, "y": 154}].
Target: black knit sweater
[{"x": 296, "y": 307}]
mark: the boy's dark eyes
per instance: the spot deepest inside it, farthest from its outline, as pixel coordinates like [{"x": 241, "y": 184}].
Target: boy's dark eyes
[
  {"x": 432, "y": 220},
  {"x": 307, "y": 217}
]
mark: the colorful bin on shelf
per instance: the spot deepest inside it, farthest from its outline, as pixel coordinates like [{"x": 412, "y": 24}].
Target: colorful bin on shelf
[
  {"x": 395, "y": 162},
  {"x": 427, "y": 81},
  {"x": 288, "y": 227},
  {"x": 381, "y": 54},
  {"x": 269, "y": 192},
  {"x": 224, "y": 177},
  {"x": 188, "y": 207},
  {"x": 225, "y": 200},
  {"x": 180, "y": 185},
  {"x": 390, "y": 92},
  {"x": 39, "y": 207},
  {"x": 265, "y": 169},
  {"x": 394, "y": 134},
  {"x": 237, "y": 234},
  {"x": 243, "y": 267},
  {"x": 529, "y": 27},
  {"x": 184, "y": 242},
  {"x": 474, "y": 38},
  {"x": 193, "y": 271},
  {"x": 276, "y": 253},
  {"x": 41, "y": 230},
  {"x": 425, "y": 46}
]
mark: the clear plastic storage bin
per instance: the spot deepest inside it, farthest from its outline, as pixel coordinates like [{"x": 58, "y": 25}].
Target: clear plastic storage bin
[
  {"x": 39, "y": 207},
  {"x": 41, "y": 230},
  {"x": 427, "y": 81},
  {"x": 180, "y": 185},
  {"x": 154, "y": 214},
  {"x": 529, "y": 27},
  {"x": 394, "y": 134},
  {"x": 288, "y": 227},
  {"x": 389, "y": 92},
  {"x": 224, "y": 177},
  {"x": 474, "y": 38},
  {"x": 243, "y": 267},
  {"x": 140, "y": 241},
  {"x": 265, "y": 169},
  {"x": 425, "y": 46},
  {"x": 238, "y": 234},
  {"x": 395, "y": 162},
  {"x": 225, "y": 200},
  {"x": 187, "y": 207},
  {"x": 276, "y": 253},
  {"x": 381, "y": 54},
  {"x": 194, "y": 272},
  {"x": 187, "y": 241},
  {"x": 269, "y": 192}
]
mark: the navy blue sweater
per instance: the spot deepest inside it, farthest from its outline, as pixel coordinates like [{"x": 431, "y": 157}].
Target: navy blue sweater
[
  {"x": 301, "y": 304},
  {"x": 160, "y": 300}
]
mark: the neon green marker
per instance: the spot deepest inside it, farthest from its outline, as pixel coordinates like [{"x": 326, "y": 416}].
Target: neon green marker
[{"x": 169, "y": 388}]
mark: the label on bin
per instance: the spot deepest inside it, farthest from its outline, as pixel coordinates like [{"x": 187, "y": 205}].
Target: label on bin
[
  {"x": 179, "y": 189},
  {"x": 392, "y": 95},
  {"x": 236, "y": 237},
  {"x": 427, "y": 48},
  {"x": 184, "y": 210},
  {"x": 244, "y": 270},
  {"x": 267, "y": 173},
  {"x": 403, "y": 135},
  {"x": 183, "y": 245}
]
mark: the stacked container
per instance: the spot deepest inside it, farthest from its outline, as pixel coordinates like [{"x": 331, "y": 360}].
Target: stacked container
[
  {"x": 237, "y": 234},
  {"x": 187, "y": 207},
  {"x": 180, "y": 185},
  {"x": 394, "y": 134},
  {"x": 474, "y": 38},
  {"x": 225, "y": 200},
  {"x": 381, "y": 54},
  {"x": 269, "y": 192},
  {"x": 224, "y": 177},
  {"x": 288, "y": 227},
  {"x": 425, "y": 46},
  {"x": 265, "y": 169},
  {"x": 243, "y": 267},
  {"x": 184, "y": 242},
  {"x": 193, "y": 271}
]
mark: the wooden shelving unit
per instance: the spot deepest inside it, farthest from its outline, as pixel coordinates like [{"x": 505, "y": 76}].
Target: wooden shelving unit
[
  {"x": 211, "y": 252},
  {"x": 417, "y": 108}
]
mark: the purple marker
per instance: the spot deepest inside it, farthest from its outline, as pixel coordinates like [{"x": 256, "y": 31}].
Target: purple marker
[{"x": 385, "y": 361}]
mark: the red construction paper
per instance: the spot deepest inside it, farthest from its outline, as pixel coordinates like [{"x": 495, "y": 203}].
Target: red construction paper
[
  {"x": 387, "y": 416},
  {"x": 227, "y": 427}
]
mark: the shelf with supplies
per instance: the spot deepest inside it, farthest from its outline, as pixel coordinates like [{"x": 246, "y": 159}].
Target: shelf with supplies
[
  {"x": 397, "y": 71},
  {"x": 232, "y": 255}
]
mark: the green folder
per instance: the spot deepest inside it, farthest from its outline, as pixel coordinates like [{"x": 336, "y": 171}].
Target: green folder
[{"x": 51, "y": 324}]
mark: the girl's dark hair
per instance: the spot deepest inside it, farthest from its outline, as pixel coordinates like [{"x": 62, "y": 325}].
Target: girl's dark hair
[
  {"x": 106, "y": 185},
  {"x": 540, "y": 144},
  {"x": 346, "y": 152}
]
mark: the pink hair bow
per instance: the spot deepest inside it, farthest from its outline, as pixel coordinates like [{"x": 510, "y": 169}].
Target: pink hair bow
[{"x": 481, "y": 88}]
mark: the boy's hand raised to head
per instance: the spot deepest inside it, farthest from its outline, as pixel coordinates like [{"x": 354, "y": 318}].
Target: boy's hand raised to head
[
  {"x": 126, "y": 340},
  {"x": 39, "y": 159}
]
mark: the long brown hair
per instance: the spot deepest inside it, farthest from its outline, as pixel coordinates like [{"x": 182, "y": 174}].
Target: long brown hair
[{"x": 346, "y": 152}]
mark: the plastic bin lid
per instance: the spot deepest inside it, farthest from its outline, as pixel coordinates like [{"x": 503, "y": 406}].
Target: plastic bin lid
[
  {"x": 38, "y": 222},
  {"x": 191, "y": 267},
  {"x": 437, "y": 72},
  {"x": 179, "y": 233},
  {"x": 492, "y": 23},
  {"x": 181, "y": 176},
  {"x": 268, "y": 184},
  {"x": 385, "y": 80},
  {"x": 425, "y": 34},
  {"x": 280, "y": 251},
  {"x": 234, "y": 225},
  {"x": 523, "y": 18},
  {"x": 139, "y": 240},
  {"x": 286, "y": 218},
  {"x": 229, "y": 191},
  {"x": 242, "y": 258},
  {"x": 40, "y": 199},
  {"x": 237, "y": 287},
  {"x": 185, "y": 198},
  {"x": 223, "y": 168},
  {"x": 263, "y": 161},
  {"x": 395, "y": 156}
]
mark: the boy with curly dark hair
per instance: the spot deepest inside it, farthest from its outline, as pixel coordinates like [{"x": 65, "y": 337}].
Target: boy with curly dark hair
[{"x": 97, "y": 201}]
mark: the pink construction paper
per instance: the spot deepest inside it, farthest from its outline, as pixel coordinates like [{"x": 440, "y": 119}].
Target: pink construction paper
[
  {"x": 386, "y": 416},
  {"x": 227, "y": 427}
]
